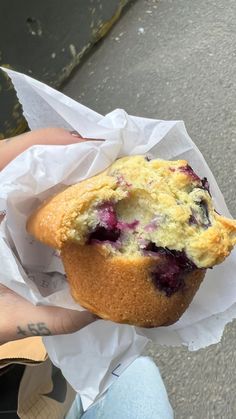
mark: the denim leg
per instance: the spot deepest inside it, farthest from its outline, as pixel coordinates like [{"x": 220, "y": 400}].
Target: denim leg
[
  {"x": 139, "y": 393},
  {"x": 76, "y": 410}
]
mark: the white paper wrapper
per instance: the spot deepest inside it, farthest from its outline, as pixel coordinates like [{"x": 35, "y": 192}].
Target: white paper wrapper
[{"x": 93, "y": 357}]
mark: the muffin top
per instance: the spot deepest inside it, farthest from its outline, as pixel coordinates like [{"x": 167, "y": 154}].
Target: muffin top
[{"x": 140, "y": 207}]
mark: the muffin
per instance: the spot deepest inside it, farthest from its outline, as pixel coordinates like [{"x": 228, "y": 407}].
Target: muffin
[{"x": 136, "y": 239}]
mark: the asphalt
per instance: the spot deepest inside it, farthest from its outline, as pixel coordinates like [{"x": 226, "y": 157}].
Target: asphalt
[{"x": 177, "y": 60}]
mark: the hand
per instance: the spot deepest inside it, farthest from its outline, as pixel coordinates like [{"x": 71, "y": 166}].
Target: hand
[
  {"x": 18, "y": 317},
  {"x": 11, "y": 147}
]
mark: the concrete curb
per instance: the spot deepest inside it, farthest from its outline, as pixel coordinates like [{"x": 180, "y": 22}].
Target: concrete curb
[{"x": 47, "y": 42}]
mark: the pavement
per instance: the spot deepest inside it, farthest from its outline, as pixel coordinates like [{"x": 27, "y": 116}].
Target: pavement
[{"x": 177, "y": 60}]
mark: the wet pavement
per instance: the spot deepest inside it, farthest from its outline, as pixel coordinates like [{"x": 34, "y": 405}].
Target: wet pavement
[{"x": 177, "y": 60}]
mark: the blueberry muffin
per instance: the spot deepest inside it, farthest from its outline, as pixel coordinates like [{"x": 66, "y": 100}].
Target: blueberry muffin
[{"x": 136, "y": 240}]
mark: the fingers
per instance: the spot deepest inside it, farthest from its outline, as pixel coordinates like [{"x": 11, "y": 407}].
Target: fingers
[
  {"x": 20, "y": 319},
  {"x": 61, "y": 321},
  {"x": 12, "y": 147},
  {"x": 46, "y": 136}
]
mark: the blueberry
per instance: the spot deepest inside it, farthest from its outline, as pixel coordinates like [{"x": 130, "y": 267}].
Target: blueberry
[
  {"x": 205, "y": 213},
  {"x": 190, "y": 172},
  {"x": 183, "y": 261},
  {"x": 103, "y": 234},
  {"x": 205, "y": 185},
  {"x": 192, "y": 220},
  {"x": 200, "y": 218},
  {"x": 168, "y": 276},
  {"x": 109, "y": 228},
  {"x": 152, "y": 247},
  {"x": 168, "y": 282},
  {"x": 107, "y": 216},
  {"x": 122, "y": 225},
  {"x": 122, "y": 181}
]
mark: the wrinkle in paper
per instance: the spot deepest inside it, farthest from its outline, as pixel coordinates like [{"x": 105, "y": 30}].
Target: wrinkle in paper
[{"x": 88, "y": 358}]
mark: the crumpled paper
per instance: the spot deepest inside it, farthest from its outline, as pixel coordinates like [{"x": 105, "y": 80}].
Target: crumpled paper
[{"x": 94, "y": 357}]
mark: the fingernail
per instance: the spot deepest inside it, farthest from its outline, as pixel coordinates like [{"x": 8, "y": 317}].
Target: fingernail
[
  {"x": 94, "y": 139},
  {"x": 76, "y": 134}
]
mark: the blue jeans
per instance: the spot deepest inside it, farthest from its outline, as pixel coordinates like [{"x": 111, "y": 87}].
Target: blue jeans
[{"x": 139, "y": 393}]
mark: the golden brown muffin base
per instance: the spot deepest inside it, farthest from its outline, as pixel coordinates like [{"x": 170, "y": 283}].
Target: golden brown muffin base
[{"x": 121, "y": 289}]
